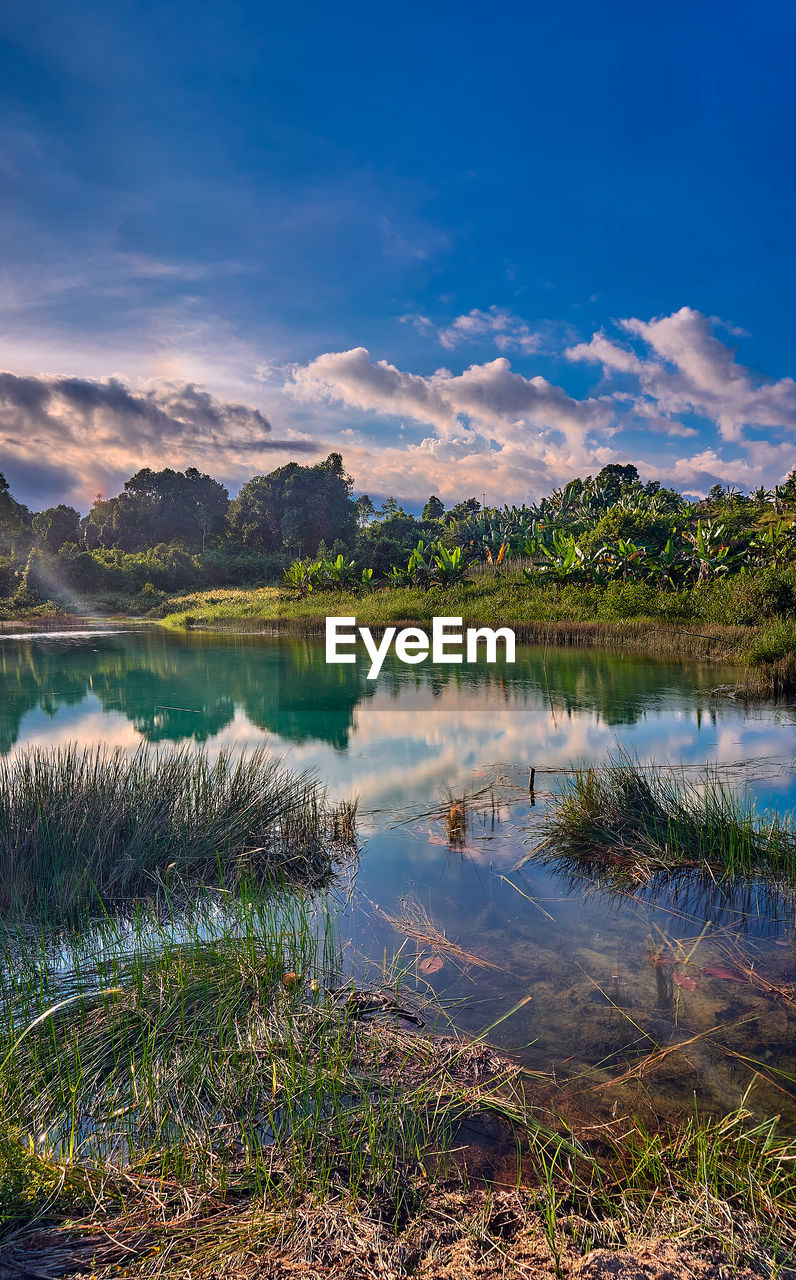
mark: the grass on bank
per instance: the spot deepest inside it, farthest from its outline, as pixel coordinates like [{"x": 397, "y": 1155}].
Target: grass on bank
[
  {"x": 734, "y": 619},
  {"x": 224, "y": 1051},
  {"x": 634, "y": 821},
  {"x": 200, "y": 1095},
  {"x": 487, "y": 595},
  {"x": 82, "y": 828}
]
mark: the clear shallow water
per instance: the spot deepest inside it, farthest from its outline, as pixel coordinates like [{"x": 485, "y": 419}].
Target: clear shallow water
[{"x": 604, "y": 991}]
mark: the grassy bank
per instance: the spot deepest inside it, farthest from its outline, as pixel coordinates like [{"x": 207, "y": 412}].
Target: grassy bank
[
  {"x": 84, "y": 828},
  {"x": 733, "y": 620},
  {"x": 210, "y": 1099}
]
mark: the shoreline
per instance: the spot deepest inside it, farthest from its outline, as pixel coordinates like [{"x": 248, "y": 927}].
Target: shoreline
[{"x": 765, "y": 652}]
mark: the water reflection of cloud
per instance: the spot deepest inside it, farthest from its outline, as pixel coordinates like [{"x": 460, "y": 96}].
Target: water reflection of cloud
[
  {"x": 85, "y": 724},
  {"x": 396, "y": 758},
  {"x": 410, "y": 737}
]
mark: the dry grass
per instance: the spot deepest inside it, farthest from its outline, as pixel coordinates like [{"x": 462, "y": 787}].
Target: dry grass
[
  {"x": 416, "y": 923},
  {"x": 671, "y": 1208},
  {"x": 481, "y": 1233}
]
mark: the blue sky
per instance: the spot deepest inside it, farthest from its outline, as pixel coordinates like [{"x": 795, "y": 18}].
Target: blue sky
[{"x": 475, "y": 248}]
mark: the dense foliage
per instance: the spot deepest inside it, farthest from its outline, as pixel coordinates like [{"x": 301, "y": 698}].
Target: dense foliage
[{"x": 171, "y": 532}]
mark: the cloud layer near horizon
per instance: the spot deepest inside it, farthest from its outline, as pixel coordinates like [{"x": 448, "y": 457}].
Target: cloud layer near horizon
[
  {"x": 670, "y": 395},
  {"x": 90, "y": 435},
  {"x": 514, "y": 437}
]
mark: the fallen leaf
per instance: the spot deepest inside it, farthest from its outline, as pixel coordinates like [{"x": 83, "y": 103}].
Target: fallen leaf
[
  {"x": 683, "y": 980},
  {"x": 716, "y": 971},
  {"x": 431, "y": 964}
]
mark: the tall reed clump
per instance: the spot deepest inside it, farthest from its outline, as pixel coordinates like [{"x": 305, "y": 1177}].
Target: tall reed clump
[
  {"x": 636, "y": 821},
  {"x": 84, "y": 827}
]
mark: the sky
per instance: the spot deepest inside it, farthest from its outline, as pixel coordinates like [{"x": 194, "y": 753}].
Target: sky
[{"x": 475, "y": 249}]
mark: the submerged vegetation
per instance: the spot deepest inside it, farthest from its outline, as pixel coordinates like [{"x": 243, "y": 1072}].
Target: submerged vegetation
[
  {"x": 635, "y": 821},
  {"x": 84, "y": 828}
]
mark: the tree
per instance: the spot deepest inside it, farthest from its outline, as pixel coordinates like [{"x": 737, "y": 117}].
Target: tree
[
  {"x": 365, "y": 511},
  {"x": 789, "y": 488},
  {"x": 390, "y": 509},
  {"x": 462, "y": 510},
  {"x": 160, "y": 506},
  {"x": 15, "y": 519},
  {"x": 56, "y": 526},
  {"x": 434, "y": 509},
  {"x": 614, "y": 476},
  {"x": 295, "y": 508}
]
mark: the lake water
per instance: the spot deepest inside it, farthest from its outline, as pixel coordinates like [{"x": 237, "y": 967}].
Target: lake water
[{"x": 439, "y": 758}]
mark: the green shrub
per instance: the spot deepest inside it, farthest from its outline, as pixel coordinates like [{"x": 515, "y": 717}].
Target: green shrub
[{"x": 777, "y": 642}]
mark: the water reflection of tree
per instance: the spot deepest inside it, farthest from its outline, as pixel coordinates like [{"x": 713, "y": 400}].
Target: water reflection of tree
[
  {"x": 175, "y": 688},
  {"x": 29, "y": 680},
  {"x": 619, "y": 689},
  {"x": 171, "y": 690}
]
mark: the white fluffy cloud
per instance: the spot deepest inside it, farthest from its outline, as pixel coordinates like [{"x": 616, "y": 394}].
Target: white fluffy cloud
[
  {"x": 492, "y": 430},
  {"x": 485, "y": 398},
  {"x": 674, "y": 399},
  {"x": 496, "y": 325},
  {"x": 688, "y": 370},
  {"x": 512, "y": 436},
  {"x": 508, "y": 331}
]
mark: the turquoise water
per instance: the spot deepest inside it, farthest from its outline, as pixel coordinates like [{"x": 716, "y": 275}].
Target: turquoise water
[{"x": 439, "y": 759}]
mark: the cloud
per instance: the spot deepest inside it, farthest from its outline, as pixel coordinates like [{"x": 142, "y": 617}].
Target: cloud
[
  {"x": 484, "y": 398},
  {"x": 688, "y": 370},
  {"x": 420, "y": 323},
  {"x": 508, "y": 331},
  {"x": 670, "y": 387},
  {"x": 609, "y": 354},
  {"x": 492, "y": 429},
  {"x": 496, "y": 326},
  {"x": 100, "y": 431}
]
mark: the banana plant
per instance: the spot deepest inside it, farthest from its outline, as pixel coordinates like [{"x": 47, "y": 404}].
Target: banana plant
[
  {"x": 449, "y": 566},
  {"x": 303, "y": 576},
  {"x": 775, "y": 545},
  {"x": 398, "y": 577},
  {"x": 498, "y": 559},
  {"x": 666, "y": 565},
  {"x": 339, "y": 574},
  {"x": 623, "y": 559},
  {"x": 420, "y": 568},
  {"x": 710, "y": 555},
  {"x": 563, "y": 560}
]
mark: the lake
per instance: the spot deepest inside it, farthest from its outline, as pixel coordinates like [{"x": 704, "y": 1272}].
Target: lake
[{"x": 635, "y": 1002}]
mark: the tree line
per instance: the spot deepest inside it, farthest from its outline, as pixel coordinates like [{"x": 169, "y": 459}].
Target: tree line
[{"x": 169, "y": 531}]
